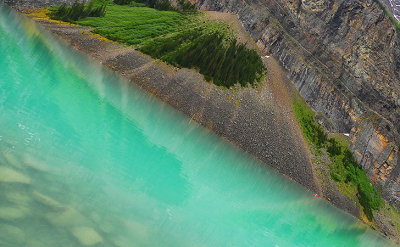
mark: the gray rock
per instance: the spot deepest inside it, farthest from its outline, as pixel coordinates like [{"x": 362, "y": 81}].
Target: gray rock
[
  {"x": 12, "y": 235},
  {"x": 47, "y": 201},
  {"x": 9, "y": 175},
  {"x": 12, "y": 213},
  {"x": 66, "y": 218},
  {"x": 87, "y": 236},
  {"x": 343, "y": 57},
  {"x": 29, "y": 4}
]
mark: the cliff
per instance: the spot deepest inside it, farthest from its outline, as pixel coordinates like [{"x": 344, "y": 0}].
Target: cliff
[
  {"x": 393, "y": 6},
  {"x": 343, "y": 56}
]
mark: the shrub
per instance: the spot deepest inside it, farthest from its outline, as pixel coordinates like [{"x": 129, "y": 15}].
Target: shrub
[
  {"x": 343, "y": 166},
  {"x": 335, "y": 177},
  {"x": 135, "y": 4},
  {"x": 163, "y": 5},
  {"x": 313, "y": 131},
  {"x": 123, "y": 2},
  {"x": 77, "y": 11},
  {"x": 346, "y": 169},
  {"x": 186, "y": 5},
  {"x": 334, "y": 147},
  {"x": 157, "y": 4}
]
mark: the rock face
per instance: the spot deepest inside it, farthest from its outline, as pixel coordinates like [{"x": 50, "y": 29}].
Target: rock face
[
  {"x": 87, "y": 236},
  {"x": 27, "y": 4},
  {"x": 8, "y": 175},
  {"x": 344, "y": 58},
  {"x": 393, "y": 6}
]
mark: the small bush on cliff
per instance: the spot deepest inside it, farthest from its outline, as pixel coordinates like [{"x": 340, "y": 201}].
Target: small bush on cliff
[
  {"x": 343, "y": 167},
  {"x": 186, "y": 5},
  {"x": 77, "y": 11},
  {"x": 334, "y": 148},
  {"x": 122, "y": 2},
  {"x": 312, "y": 130},
  {"x": 155, "y": 4},
  {"x": 131, "y": 3},
  {"x": 183, "y": 5}
]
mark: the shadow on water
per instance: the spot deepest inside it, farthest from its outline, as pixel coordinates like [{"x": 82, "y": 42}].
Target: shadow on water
[{"x": 87, "y": 159}]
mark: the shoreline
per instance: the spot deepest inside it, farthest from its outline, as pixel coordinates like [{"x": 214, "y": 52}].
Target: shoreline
[{"x": 258, "y": 120}]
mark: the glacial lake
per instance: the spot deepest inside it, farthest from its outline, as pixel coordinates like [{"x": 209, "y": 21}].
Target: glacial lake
[{"x": 87, "y": 159}]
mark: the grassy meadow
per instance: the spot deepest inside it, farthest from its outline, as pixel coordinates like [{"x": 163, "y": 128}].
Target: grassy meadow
[{"x": 181, "y": 38}]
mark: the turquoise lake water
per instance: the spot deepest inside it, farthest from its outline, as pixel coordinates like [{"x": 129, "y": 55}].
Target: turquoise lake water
[{"x": 88, "y": 160}]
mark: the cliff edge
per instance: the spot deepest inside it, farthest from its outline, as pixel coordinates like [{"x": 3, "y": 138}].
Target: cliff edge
[{"x": 343, "y": 56}]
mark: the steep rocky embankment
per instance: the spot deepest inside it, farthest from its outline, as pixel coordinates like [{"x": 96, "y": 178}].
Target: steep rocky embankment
[
  {"x": 24, "y": 4},
  {"x": 393, "y": 6},
  {"x": 344, "y": 58}
]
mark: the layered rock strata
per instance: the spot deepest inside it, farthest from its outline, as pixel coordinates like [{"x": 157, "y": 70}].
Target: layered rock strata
[
  {"x": 28, "y": 4},
  {"x": 343, "y": 56},
  {"x": 393, "y": 6}
]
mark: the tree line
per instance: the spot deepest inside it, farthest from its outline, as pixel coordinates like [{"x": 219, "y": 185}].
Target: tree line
[{"x": 224, "y": 62}]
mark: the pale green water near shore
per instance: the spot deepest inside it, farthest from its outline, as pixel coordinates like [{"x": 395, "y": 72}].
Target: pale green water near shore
[{"x": 88, "y": 160}]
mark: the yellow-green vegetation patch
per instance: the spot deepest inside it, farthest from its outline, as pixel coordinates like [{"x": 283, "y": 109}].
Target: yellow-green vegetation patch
[
  {"x": 343, "y": 168},
  {"x": 392, "y": 213},
  {"x": 313, "y": 132},
  {"x": 348, "y": 189},
  {"x": 181, "y": 38},
  {"x": 136, "y": 25},
  {"x": 342, "y": 139}
]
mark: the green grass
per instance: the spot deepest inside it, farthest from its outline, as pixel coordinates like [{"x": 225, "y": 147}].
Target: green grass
[
  {"x": 136, "y": 25},
  {"x": 313, "y": 132},
  {"x": 130, "y": 3},
  {"x": 78, "y": 11},
  {"x": 181, "y": 38},
  {"x": 343, "y": 167}
]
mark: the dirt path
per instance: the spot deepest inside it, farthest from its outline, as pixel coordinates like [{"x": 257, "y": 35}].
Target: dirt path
[
  {"x": 280, "y": 86},
  {"x": 233, "y": 22}
]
